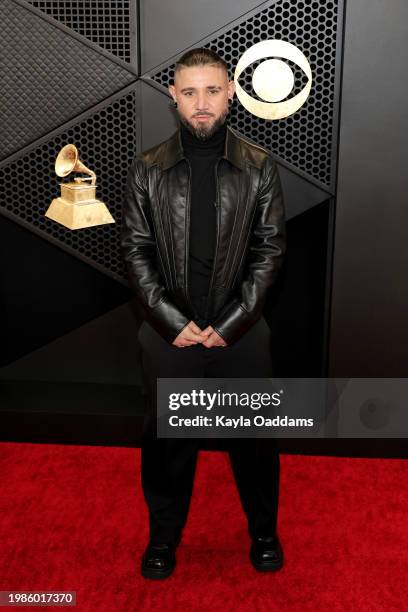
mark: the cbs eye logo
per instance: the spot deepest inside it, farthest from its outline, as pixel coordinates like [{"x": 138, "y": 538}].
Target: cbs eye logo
[{"x": 273, "y": 80}]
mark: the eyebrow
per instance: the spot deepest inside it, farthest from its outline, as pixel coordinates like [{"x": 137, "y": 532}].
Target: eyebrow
[{"x": 193, "y": 88}]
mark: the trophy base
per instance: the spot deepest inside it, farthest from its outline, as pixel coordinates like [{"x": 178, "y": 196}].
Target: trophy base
[{"x": 78, "y": 215}]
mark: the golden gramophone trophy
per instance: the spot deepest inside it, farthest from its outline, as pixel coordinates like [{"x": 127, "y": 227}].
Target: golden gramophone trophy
[{"x": 77, "y": 206}]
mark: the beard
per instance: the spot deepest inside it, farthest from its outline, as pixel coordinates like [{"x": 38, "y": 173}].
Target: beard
[{"x": 204, "y": 132}]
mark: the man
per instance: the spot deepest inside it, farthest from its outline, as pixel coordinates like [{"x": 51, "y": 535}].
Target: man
[{"x": 203, "y": 238}]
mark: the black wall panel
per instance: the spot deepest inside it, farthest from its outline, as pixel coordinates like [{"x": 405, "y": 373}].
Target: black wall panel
[
  {"x": 50, "y": 76},
  {"x": 111, "y": 24},
  {"x": 296, "y": 308},
  {"x": 167, "y": 28},
  {"x": 369, "y": 331},
  {"x": 100, "y": 352},
  {"x": 45, "y": 293}
]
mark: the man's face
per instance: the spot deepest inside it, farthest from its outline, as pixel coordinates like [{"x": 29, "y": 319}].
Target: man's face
[{"x": 202, "y": 93}]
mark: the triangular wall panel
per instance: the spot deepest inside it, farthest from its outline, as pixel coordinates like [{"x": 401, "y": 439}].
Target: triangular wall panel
[{"x": 49, "y": 77}]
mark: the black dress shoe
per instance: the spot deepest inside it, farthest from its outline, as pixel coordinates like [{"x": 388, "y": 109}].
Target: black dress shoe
[
  {"x": 158, "y": 560},
  {"x": 266, "y": 554}
]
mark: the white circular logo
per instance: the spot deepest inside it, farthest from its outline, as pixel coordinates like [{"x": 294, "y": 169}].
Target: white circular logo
[{"x": 273, "y": 79}]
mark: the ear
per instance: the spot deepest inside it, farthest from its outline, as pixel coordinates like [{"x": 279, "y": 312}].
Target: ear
[
  {"x": 231, "y": 89},
  {"x": 172, "y": 91}
]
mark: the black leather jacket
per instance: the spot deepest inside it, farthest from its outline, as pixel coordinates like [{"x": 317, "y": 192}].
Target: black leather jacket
[{"x": 250, "y": 239}]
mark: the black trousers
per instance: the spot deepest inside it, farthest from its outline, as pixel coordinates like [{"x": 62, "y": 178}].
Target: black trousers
[{"x": 168, "y": 465}]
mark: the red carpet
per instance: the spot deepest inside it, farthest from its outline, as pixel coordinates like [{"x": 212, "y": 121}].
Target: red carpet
[{"x": 73, "y": 518}]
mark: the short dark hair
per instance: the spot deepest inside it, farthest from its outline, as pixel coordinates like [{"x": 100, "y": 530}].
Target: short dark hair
[{"x": 200, "y": 56}]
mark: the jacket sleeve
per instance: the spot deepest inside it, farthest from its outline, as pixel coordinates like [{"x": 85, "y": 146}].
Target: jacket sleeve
[
  {"x": 139, "y": 250},
  {"x": 266, "y": 248}
]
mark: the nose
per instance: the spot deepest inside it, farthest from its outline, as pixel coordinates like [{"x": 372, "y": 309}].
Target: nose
[{"x": 202, "y": 102}]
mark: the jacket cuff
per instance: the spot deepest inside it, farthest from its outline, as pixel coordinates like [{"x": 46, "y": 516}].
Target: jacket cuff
[
  {"x": 167, "y": 319},
  {"x": 233, "y": 322}
]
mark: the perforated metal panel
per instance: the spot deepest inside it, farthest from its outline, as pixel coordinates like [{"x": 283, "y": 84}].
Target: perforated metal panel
[
  {"x": 107, "y": 142},
  {"x": 305, "y": 139},
  {"x": 50, "y": 77},
  {"x": 105, "y": 22}
]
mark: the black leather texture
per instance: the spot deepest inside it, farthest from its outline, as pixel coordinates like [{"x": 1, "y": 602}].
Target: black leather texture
[{"x": 250, "y": 235}]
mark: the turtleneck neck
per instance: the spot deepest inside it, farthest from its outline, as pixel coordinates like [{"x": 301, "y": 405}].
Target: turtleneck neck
[{"x": 193, "y": 145}]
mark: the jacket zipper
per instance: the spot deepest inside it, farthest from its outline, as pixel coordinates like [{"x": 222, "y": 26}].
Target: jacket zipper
[{"x": 217, "y": 206}]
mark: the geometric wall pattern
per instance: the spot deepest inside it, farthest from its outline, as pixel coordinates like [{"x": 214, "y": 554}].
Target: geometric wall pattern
[
  {"x": 105, "y": 22},
  {"x": 305, "y": 139},
  {"x": 59, "y": 88},
  {"x": 51, "y": 76},
  {"x": 107, "y": 142}
]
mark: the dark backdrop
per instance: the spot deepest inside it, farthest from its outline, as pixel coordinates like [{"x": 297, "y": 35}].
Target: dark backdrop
[{"x": 96, "y": 74}]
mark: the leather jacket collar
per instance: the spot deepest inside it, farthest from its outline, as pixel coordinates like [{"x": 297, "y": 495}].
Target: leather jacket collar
[{"x": 173, "y": 151}]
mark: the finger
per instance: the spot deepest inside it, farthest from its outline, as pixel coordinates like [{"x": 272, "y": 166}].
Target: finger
[
  {"x": 186, "y": 342},
  {"x": 220, "y": 342},
  {"x": 194, "y": 327},
  {"x": 183, "y": 342},
  {"x": 188, "y": 334},
  {"x": 206, "y": 332}
]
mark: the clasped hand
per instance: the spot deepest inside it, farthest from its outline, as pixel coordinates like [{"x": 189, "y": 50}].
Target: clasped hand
[{"x": 192, "y": 334}]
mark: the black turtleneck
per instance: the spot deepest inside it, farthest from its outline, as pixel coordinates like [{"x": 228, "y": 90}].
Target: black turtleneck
[{"x": 202, "y": 156}]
